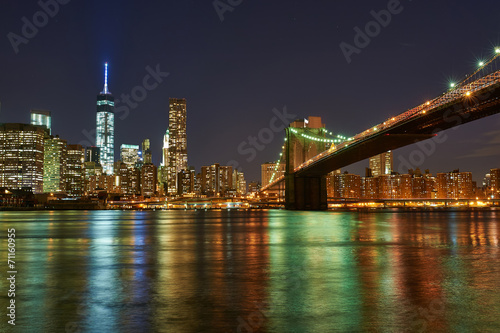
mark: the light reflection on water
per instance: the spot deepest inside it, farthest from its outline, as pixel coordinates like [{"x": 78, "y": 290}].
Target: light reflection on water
[{"x": 262, "y": 271}]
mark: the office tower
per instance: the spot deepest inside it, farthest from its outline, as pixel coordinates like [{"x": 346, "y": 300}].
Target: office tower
[
  {"x": 210, "y": 180},
  {"x": 163, "y": 169},
  {"x": 346, "y": 185},
  {"x": 54, "y": 165},
  {"x": 216, "y": 180},
  {"x": 381, "y": 164},
  {"x": 98, "y": 183},
  {"x": 21, "y": 156},
  {"x": 166, "y": 138},
  {"x": 454, "y": 185},
  {"x": 239, "y": 183},
  {"x": 146, "y": 151},
  {"x": 129, "y": 154},
  {"x": 186, "y": 181},
  {"x": 75, "y": 171},
  {"x": 197, "y": 184},
  {"x": 92, "y": 169},
  {"x": 93, "y": 154},
  {"x": 226, "y": 180},
  {"x": 42, "y": 118},
  {"x": 105, "y": 129},
  {"x": 148, "y": 180},
  {"x": 177, "y": 146},
  {"x": 128, "y": 179}
]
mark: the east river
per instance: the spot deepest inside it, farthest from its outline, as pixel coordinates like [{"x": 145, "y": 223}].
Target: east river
[{"x": 253, "y": 271}]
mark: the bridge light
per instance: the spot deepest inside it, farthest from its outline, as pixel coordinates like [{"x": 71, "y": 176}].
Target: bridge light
[
  {"x": 428, "y": 103},
  {"x": 452, "y": 85},
  {"x": 481, "y": 63},
  {"x": 497, "y": 50},
  {"x": 467, "y": 93}
]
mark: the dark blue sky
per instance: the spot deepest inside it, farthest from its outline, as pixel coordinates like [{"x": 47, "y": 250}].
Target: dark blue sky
[{"x": 263, "y": 55}]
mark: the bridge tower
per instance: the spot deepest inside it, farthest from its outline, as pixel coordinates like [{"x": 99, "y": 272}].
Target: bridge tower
[{"x": 304, "y": 140}]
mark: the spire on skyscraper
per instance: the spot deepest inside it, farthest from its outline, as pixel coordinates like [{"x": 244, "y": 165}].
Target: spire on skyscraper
[{"x": 105, "y": 91}]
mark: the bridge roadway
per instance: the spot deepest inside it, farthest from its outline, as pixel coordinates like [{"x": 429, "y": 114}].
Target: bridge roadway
[{"x": 466, "y": 103}]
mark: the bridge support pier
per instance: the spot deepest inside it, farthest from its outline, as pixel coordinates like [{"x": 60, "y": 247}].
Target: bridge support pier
[{"x": 305, "y": 193}]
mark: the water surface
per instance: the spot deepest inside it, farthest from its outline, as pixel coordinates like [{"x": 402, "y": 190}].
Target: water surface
[{"x": 257, "y": 271}]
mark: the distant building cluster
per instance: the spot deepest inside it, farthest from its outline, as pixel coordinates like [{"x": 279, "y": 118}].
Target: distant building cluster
[
  {"x": 32, "y": 160},
  {"x": 380, "y": 182}
]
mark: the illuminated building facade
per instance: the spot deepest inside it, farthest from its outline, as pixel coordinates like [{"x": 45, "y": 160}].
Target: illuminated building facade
[
  {"x": 128, "y": 179},
  {"x": 75, "y": 171},
  {"x": 239, "y": 183},
  {"x": 177, "y": 145},
  {"x": 394, "y": 187},
  {"x": 54, "y": 165},
  {"x": 148, "y": 179},
  {"x": 381, "y": 164},
  {"x": 369, "y": 187},
  {"x": 216, "y": 180},
  {"x": 42, "y": 118},
  {"x": 346, "y": 185},
  {"x": 226, "y": 179},
  {"x": 494, "y": 192},
  {"x": 146, "y": 151},
  {"x": 129, "y": 154},
  {"x": 254, "y": 187},
  {"x": 97, "y": 183},
  {"x": 93, "y": 154},
  {"x": 91, "y": 169},
  {"x": 21, "y": 156},
  {"x": 186, "y": 181},
  {"x": 105, "y": 129},
  {"x": 422, "y": 185},
  {"x": 454, "y": 185}
]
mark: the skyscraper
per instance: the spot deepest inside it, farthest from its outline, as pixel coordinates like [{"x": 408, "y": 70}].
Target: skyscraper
[
  {"x": 381, "y": 164},
  {"x": 93, "y": 154},
  {"x": 129, "y": 154},
  {"x": 105, "y": 129},
  {"x": 21, "y": 156},
  {"x": 54, "y": 165},
  {"x": 166, "y": 139},
  {"x": 148, "y": 179},
  {"x": 75, "y": 172},
  {"x": 177, "y": 146},
  {"x": 146, "y": 151},
  {"x": 41, "y": 118},
  {"x": 163, "y": 169}
]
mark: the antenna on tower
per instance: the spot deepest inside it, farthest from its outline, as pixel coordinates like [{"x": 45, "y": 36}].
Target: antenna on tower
[{"x": 106, "y": 91}]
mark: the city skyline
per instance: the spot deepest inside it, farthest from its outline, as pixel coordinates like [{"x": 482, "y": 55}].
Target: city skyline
[
  {"x": 426, "y": 72},
  {"x": 342, "y": 172}
]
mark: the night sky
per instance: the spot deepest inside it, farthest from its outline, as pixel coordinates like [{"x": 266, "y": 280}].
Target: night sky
[{"x": 233, "y": 73}]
